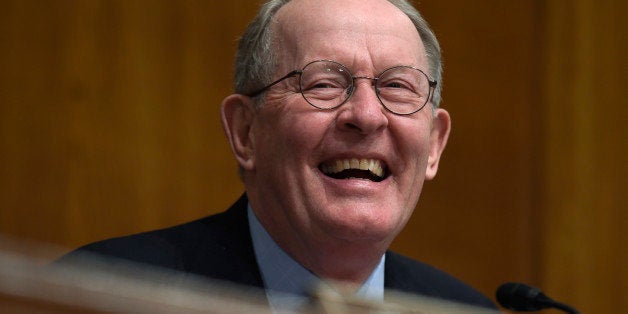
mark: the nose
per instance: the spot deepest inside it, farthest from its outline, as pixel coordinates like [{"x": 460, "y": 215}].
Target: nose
[{"x": 362, "y": 113}]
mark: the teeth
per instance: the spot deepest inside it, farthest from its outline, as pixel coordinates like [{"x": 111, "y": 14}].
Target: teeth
[
  {"x": 372, "y": 165},
  {"x": 355, "y": 163}
]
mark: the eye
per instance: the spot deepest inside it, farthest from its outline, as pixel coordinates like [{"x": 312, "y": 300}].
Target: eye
[
  {"x": 325, "y": 85},
  {"x": 396, "y": 84},
  {"x": 324, "y": 75},
  {"x": 322, "y": 82}
]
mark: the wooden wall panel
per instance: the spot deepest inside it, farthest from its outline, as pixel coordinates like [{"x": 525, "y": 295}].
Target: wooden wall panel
[
  {"x": 109, "y": 125},
  {"x": 110, "y": 115},
  {"x": 585, "y": 168}
]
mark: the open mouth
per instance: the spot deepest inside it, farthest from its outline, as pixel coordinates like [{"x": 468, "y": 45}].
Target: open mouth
[{"x": 368, "y": 169}]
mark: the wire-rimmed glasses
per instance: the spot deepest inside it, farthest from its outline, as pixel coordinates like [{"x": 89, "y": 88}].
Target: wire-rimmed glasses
[{"x": 327, "y": 84}]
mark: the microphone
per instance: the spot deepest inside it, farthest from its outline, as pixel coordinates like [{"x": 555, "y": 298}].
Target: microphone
[{"x": 521, "y": 297}]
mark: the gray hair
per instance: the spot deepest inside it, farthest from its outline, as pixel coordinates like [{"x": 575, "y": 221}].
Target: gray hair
[{"x": 255, "y": 58}]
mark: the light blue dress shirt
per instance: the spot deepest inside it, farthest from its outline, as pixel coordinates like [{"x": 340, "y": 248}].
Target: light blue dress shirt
[{"x": 287, "y": 283}]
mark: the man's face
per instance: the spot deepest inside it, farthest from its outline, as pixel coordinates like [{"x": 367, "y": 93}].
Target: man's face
[{"x": 294, "y": 146}]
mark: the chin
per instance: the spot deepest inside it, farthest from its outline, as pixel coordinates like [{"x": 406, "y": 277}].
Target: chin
[{"x": 366, "y": 225}]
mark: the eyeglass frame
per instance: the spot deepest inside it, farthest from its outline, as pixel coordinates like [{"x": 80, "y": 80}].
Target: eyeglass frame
[{"x": 431, "y": 86}]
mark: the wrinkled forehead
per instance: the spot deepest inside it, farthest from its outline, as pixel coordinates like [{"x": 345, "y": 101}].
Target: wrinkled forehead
[{"x": 351, "y": 29}]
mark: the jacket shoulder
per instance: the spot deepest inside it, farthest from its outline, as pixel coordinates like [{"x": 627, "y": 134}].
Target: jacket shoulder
[
  {"x": 411, "y": 276},
  {"x": 166, "y": 247},
  {"x": 217, "y": 246}
]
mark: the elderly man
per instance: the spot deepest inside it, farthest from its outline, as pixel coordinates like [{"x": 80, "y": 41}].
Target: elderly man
[{"x": 335, "y": 125}]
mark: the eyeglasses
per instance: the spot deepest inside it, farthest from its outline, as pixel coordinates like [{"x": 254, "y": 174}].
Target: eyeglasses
[{"x": 327, "y": 84}]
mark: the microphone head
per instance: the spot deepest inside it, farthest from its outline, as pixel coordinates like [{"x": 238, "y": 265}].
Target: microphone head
[{"x": 521, "y": 297}]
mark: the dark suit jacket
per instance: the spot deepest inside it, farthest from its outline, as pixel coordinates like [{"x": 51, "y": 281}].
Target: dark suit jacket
[{"x": 220, "y": 247}]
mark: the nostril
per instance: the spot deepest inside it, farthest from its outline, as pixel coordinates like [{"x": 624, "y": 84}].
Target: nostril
[{"x": 352, "y": 126}]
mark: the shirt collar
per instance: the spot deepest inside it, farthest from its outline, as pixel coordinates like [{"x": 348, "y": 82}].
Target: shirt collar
[{"x": 287, "y": 282}]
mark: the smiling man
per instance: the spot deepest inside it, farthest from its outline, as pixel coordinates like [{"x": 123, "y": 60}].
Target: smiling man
[{"x": 335, "y": 125}]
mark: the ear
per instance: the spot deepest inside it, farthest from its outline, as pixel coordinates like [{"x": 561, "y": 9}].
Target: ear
[
  {"x": 441, "y": 125},
  {"x": 237, "y": 114}
]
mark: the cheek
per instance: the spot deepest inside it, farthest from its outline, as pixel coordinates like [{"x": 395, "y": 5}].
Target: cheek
[
  {"x": 299, "y": 136},
  {"x": 413, "y": 142},
  {"x": 290, "y": 136}
]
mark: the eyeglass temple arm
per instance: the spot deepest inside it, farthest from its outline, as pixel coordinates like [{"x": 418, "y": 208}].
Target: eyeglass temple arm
[
  {"x": 432, "y": 84},
  {"x": 291, "y": 74}
]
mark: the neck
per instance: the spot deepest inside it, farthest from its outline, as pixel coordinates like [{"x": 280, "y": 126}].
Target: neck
[
  {"x": 339, "y": 260},
  {"x": 344, "y": 264},
  {"x": 345, "y": 256}
]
